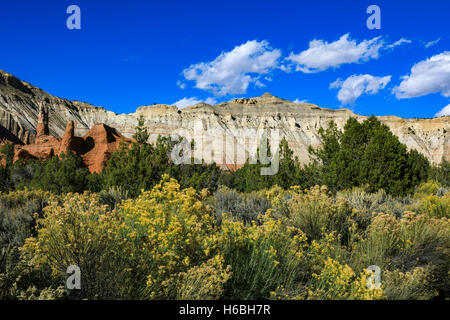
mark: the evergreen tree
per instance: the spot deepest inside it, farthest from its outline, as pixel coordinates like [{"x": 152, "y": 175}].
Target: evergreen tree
[
  {"x": 368, "y": 153},
  {"x": 6, "y": 156},
  {"x": 59, "y": 175},
  {"x": 249, "y": 178},
  {"x": 141, "y": 135},
  {"x": 441, "y": 172}
]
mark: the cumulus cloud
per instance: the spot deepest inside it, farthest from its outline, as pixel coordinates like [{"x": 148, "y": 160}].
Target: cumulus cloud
[
  {"x": 300, "y": 101},
  {"x": 356, "y": 85},
  {"x": 432, "y": 43},
  {"x": 232, "y": 72},
  {"x": 322, "y": 55},
  {"x": 428, "y": 76},
  {"x": 444, "y": 112},
  {"x": 186, "y": 102}
]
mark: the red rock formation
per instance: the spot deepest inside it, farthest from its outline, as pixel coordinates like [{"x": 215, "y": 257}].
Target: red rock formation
[
  {"x": 98, "y": 145},
  {"x": 44, "y": 146},
  {"x": 95, "y": 148},
  {"x": 67, "y": 139},
  {"x": 42, "y": 124}
]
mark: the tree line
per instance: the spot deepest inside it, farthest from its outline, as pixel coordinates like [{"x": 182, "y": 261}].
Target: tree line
[{"x": 365, "y": 154}]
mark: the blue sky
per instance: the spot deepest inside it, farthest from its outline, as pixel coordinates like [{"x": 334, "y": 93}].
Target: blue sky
[{"x": 133, "y": 53}]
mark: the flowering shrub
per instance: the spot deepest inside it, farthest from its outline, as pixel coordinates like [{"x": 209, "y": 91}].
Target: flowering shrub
[
  {"x": 434, "y": 206},
  {"x": 262, "y": 256},
  {"x": 415, "y": 240},
  {"x": 77, "y": 230},
  {"x": 337, "y": 281},
  {"x": 204, "y": 282},
  {"x": 315, "y": 212},
  {"x": 412, "y": 285},
  {"x": 166, "y": 232},
  {"x": 168, "y": 243}
]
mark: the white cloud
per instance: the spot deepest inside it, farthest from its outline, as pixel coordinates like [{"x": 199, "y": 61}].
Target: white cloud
[
  {"x": 444, "y": 112},
  {"x": 181, "y": 84},
  {"x": 356, "y": 85},
  {"x": 398, "y": 43},
  {"x": 300, "y": 101},
  {"x": 432, "y": 43},
  {"x": 427, "y": 76},
  {"x": 186, "y": 102},
  {"x": 322, "y": 55},
  {"x": 232, "y": 72}
]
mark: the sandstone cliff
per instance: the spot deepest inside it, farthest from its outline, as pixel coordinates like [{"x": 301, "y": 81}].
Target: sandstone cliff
[{"x": 299, "y": 123}]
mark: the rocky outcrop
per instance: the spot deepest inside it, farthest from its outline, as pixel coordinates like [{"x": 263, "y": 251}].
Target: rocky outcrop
[
  {"x": 42, "y": 122},
  {"x": 298, "y": 122},
  {"x": 95, "y": 148},
  {"x": 67, "y": 142},
  {"x": 97, "y": 145}
]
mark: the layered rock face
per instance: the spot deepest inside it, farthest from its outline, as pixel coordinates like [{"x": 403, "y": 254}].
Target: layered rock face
[{"x": 235, "y": 120}]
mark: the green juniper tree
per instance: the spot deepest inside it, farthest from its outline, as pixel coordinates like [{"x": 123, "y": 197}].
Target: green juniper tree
[{"x": 368, "y": 153}]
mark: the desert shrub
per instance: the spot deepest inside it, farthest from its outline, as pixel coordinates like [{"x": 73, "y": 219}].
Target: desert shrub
[
  {"x": 411, "y": 285},
  {"x": 279, "y": 199},
  {"x": 204, "y": 282},
  {"x": 273, "y": 243},
  {"x": 246, "y": 207},
  {"x": 441, "y": 173},
  {"x": 434, "y": 206},
  {"x": 145, "y": 248},
  {"x": 315, "y": 212},
  {"x": 442, "y": 191},
  {"x": 379, "y": 201},
  {"x": 17, "y": 218},
  {"x": 18, "y": 213},
  {"x": 113, "y": 196},
  {"x": 432, "y": 200},
  {"x": 167, "y": 231},
  {"x": 424, "y": 189},
  {"x": 77, "y": 230},
  {"x": 339, "y": 282},
  {"x": 325, "y": 275},
  {"x": 415, "y": 240},
  {"x": 263, "y": 257}
]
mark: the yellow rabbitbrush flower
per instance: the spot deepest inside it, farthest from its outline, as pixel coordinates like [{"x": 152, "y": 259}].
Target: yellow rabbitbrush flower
[
  {"x": 263, "y": 256},
  {"x": 204, "y": 282},
  {"x": 337, "y": 281},
  {"x": 174, "y": 232},
  {"x": 77, "y": 230}
]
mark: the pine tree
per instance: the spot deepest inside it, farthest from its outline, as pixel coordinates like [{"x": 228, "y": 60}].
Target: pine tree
[{"x": 141, "y": 135}]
